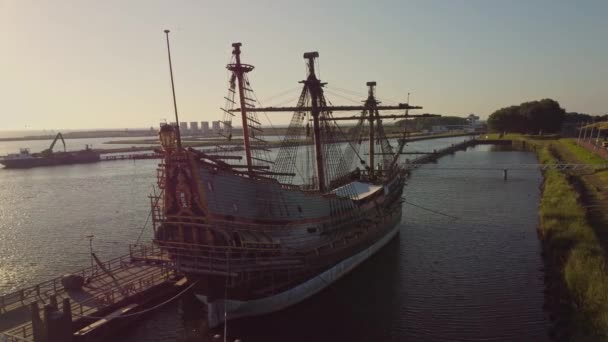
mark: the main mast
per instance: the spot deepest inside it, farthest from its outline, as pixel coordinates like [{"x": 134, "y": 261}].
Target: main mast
[
  {"x": 315, "y": 89},
  {"x": 239, "y": 70}
]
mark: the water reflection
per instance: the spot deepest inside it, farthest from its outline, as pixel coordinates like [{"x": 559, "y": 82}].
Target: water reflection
[{"x": 475, "y": 278}]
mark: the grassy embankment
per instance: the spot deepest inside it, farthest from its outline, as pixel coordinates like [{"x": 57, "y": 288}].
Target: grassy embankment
[{"x": 574, "y": 240}]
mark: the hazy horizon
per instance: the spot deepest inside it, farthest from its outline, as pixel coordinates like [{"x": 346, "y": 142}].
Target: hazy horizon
[{"x": 108, "y": 59}]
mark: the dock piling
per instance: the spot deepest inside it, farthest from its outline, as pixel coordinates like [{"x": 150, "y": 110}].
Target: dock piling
[
  {"x": 37, "y": 324},
  {"x": 67, "y": 309},
  {"x": 57, "y": 325},
  {"x": 53, "y": 301}
]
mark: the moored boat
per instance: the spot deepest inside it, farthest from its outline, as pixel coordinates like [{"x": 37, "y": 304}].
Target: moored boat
[{"x": 25, "y": 160}]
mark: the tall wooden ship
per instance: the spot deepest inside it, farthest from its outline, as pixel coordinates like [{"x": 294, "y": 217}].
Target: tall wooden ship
[{"x": 265, "y": 230}]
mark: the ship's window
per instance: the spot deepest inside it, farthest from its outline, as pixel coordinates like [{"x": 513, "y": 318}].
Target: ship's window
[
  {"x": 312, "y": 230},
  {"x": 299, "y": 209},
  {"x": 210, "y": 186},
  {"x": 235, "y": 207}
]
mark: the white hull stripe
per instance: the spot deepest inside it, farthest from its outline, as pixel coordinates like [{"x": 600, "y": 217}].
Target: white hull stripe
[{"x": 239, "y": 309}]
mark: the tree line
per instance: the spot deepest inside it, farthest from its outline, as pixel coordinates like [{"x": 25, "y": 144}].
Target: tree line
[
  {"x": 536, "y": 117},
  {"x": 419, "y": 124}
]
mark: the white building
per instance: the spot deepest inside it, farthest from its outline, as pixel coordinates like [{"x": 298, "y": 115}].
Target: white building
[{"x": 473, "y": 119}]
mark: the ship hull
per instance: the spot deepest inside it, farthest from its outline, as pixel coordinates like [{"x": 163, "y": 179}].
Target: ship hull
[{"x": 260, "y": 306}]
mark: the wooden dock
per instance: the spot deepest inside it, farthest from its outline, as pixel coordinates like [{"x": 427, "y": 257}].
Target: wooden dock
[
  {"x": 436, "y": 154},
  {"x": 135, "y": 156},
  {"x": 132, "y": 153},
  {"x": 112, "y": 288}
]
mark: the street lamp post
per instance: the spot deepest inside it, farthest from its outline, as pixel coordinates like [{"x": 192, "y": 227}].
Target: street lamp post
[{"x": 90, "y": 237}]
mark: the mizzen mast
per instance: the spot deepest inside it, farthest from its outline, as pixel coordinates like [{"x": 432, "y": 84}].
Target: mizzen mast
[{"x": 371, "y": 103}]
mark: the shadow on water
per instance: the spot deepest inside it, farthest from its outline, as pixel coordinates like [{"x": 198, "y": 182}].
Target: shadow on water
[{"x": 359, "y": 307}]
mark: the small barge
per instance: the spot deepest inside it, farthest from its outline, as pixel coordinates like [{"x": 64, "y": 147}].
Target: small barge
[{"x": 25, "y": 160}]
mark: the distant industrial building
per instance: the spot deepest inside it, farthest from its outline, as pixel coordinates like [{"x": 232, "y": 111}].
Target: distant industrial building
[
  {"x": 216, "y": 126},
  {"x": 193, "y": 126},
  {"x": 183, "y": 127},
  {"x": 205, "y": 127}
]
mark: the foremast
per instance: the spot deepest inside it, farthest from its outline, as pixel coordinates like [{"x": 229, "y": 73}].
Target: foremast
[{"x": 239, "y": 70}]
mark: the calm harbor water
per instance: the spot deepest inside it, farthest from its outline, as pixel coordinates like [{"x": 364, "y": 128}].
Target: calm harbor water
[{"x": 474, "y": 276}]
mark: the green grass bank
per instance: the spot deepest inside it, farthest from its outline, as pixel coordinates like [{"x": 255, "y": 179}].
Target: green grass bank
[{"x": 574, "y": 254}]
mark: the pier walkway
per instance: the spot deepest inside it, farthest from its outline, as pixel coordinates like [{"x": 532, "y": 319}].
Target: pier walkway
[
  {"x": 107, "y": 286},
  {"x": 431, "y": 157}
]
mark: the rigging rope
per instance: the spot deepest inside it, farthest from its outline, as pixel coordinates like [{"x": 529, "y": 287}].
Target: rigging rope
[
  {"x": 342, "y": 96},
  {"x": 274, "y": 129},
  {"x": 281, "y": 94},
  {"x": 352, "y": 92},
  {"x": 346, "y": 138},
  {"x": 149, "y": 215}
]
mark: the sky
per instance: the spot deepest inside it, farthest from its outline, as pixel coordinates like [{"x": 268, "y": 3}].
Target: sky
[{"x": 103, "y": 64}]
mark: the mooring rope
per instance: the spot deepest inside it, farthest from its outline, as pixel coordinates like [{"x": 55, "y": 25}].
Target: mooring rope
[
  {"x": 143, "y": 311},
  {"x": 429, "y": 210}
]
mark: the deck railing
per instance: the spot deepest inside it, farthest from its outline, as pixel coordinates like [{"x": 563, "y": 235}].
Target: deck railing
[
  {"x": 22, "y": 337},
  {"x": 97, "y": 302},
  {"x": 225, "y": 260}
]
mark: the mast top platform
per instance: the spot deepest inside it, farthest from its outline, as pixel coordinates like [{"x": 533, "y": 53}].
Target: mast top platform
[
  {"x": 371, "y": 83},
  {"x": 238, "y": 66},
  {"x": 313, "y": 54}
]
